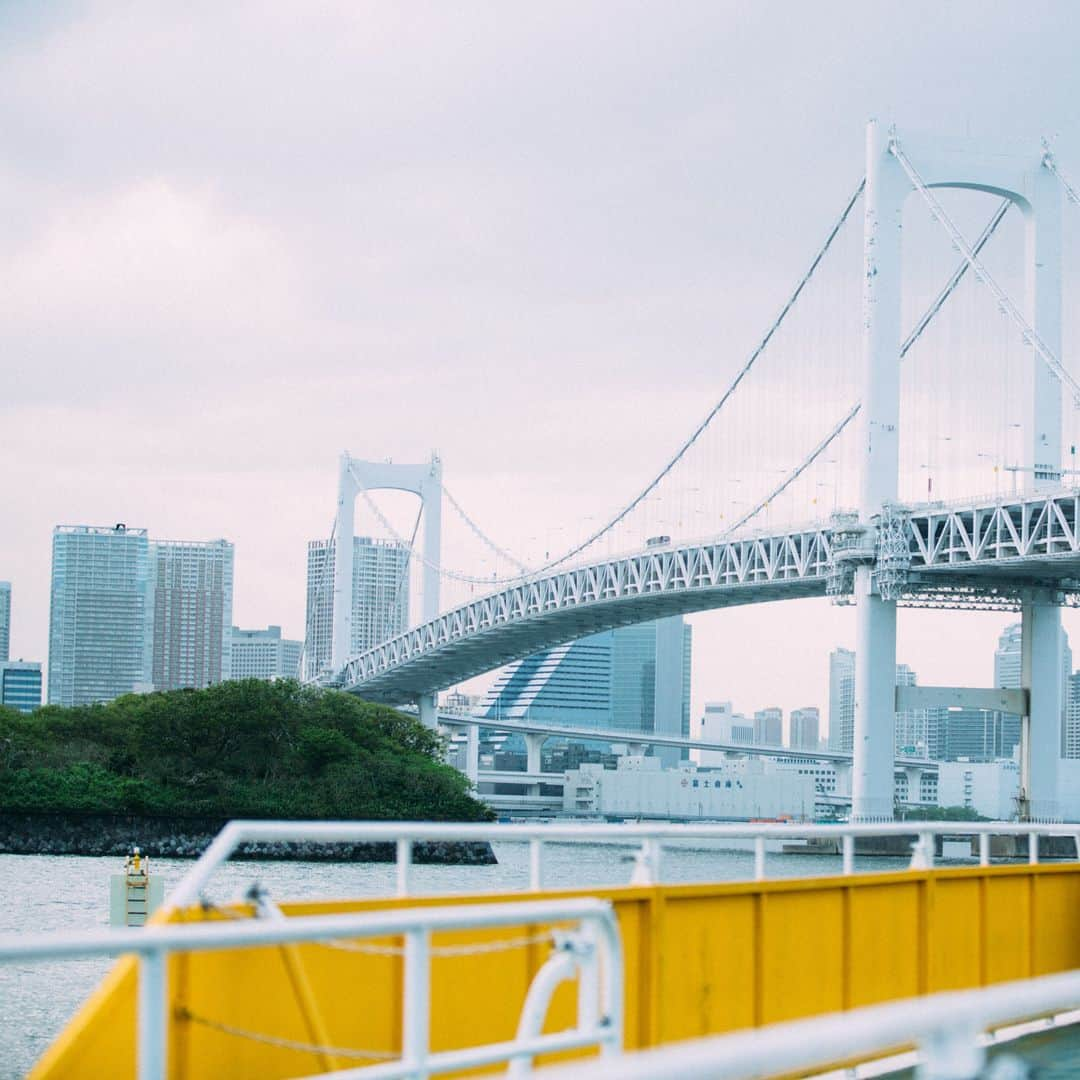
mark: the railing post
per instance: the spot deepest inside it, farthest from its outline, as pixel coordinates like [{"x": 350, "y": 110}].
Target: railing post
[
  {"x": 929, "y": 848},
  {"x": 1033, "y": 848},
  {"x": 416, "y": 1007},
  {"x": 984, "y": 849},
  {"x": 848, "y": 848},
  {"x": 536, "y": 864},
  {"x": 759, "y": 858},
  {"x": 153, "y": 1046},
  {"x": 951, "y": 1054},
  {"x": 647, "y": 863},
  {"x": 588, "y": 978},
  {"x": 404, "y": 864}
]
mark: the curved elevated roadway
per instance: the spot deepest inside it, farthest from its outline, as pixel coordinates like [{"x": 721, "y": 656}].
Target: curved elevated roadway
[{"x": 988, "y": 552}]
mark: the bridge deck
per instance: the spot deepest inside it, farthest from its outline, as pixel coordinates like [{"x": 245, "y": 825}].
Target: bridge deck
[{"x": 978, "y": 553}]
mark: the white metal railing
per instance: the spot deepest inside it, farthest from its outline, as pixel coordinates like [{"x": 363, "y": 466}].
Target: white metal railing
[
  {"x": 593, "y": 954},
  {"x": 649, "y": 839},
  {"x": 948, "y": 1029}
]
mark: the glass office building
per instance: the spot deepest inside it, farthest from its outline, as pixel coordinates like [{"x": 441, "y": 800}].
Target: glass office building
[
  {"x": 20, "y": 685},
  {"x": 635, "y": 678},
  {"x": 98, "y": 613}
]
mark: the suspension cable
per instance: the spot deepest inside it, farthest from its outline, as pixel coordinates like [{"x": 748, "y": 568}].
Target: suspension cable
[
  {"x": 970, "y": 260},
  {"x": 1005, "y": 303},
  {"x": 1051, "y": 163},
  {"x": 402, "y": 573},
  {"x": 920, "y": 327},
  {"x": 928, "y": 317},
  {"x": 955, "y": 279},
  {"x": 798, "y": 470},
  {"x": 484, "y": 538},
  {"x": 681, "y": 452}
]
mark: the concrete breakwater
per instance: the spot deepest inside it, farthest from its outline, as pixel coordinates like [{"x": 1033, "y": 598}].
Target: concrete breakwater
[{"x": 186, "y": 838}]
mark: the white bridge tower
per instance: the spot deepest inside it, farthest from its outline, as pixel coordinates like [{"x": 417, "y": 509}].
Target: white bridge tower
[
  {"x": 424, "y": 481},
  {"x": 1017, "y": 171}
]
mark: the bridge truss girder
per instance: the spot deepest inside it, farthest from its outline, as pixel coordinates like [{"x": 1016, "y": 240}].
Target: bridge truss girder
[{"x": 985, "y": 556}]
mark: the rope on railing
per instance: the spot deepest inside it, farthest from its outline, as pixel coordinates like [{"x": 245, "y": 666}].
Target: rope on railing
[
  {"x": 477, "y": 948},
  {"x": 183, "y": 1013}
]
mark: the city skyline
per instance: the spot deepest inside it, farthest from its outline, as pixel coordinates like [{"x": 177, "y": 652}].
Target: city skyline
[{"x": 790, "y": 700}]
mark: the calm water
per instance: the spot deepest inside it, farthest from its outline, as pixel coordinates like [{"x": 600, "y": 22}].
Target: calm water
[{"x": 52, "y": 892}]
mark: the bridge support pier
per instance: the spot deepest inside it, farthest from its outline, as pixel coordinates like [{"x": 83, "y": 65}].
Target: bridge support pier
[
  {"x": 472, "y": 754},
  {"x": 875, "y": 704},
  {"x": 427, "y": 708},
  {"x": 533, "y": 742},
  {"x": 1040, "y": 730}
]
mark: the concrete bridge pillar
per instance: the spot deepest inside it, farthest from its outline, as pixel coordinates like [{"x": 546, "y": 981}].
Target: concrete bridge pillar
[
  {"x": 914, "y": 782},
  {"x": 1040, "y": 731},
  {"x": 427, "y": 708},
  {"x": 533, "y": 743},
  {"x": 472, "y": 753},
  {"x": 471, "y": 765}
]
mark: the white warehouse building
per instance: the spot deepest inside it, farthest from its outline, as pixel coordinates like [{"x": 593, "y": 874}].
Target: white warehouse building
[{"x": 736, "y": 791}]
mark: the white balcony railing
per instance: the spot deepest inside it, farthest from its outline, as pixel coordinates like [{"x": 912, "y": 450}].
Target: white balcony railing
[
  {"x": 592, "y": 954},
  {"x": 649, "y": 841},
  {"x": 951, "y": 1033}
]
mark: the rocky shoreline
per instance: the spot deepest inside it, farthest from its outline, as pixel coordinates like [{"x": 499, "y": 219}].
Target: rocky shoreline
[{"x": 187, "y": 838}]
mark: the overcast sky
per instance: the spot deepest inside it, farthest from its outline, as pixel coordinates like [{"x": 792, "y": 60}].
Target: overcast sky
[{"x": 243, "y": 237}]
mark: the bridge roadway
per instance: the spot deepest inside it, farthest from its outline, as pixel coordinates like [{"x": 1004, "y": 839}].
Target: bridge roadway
[
  {"x": 643, "y": 739},
  {"x": 987, "y": 552}
]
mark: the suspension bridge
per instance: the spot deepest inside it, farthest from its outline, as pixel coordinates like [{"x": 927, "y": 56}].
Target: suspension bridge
[{"x": 843, "y": 459}]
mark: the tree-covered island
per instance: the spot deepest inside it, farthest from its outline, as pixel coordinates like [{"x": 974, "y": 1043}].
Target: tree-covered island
[{"x": 245, "y": 749}]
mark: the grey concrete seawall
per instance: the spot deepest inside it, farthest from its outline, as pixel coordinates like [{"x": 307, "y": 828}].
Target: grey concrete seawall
[{"x": 24, "y": 833}]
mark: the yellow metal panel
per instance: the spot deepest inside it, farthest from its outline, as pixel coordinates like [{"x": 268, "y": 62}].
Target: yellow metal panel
[
  {"x": 99, "y": 1041},
  {"x": 882, "y": 943},
  {"x": 800, "y": 945},
  {"x": 954, "y": 932},
  {"x": 707, "y": 981},
  {"x": 1056, "y": 902},
  {"x": 1007, "y": 928},
  {"x": 698, "y": 959}
]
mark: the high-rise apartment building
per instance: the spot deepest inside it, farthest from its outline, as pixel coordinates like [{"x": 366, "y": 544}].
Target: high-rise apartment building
[
  {"x": 20, "y": 685},
  {"x": 769, "y": 727},
  {"x": 1007, "y": 674},
  {"x": 98, "y": 613},
  {"x": 1007, "y": 658},
  {"x": 5, "y": 620},
  {"x": 915, "y": 730},
  {"x": 191, "y": 586},
  {"x": 805, "y": 728},
  {"x": 1072, "y": 717},
  {"x": 380, "y": 596},
  {"x": 264, "y": 654},
  {"x": 634, "y": 678},
  {"x": 841, "y": 700}
]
